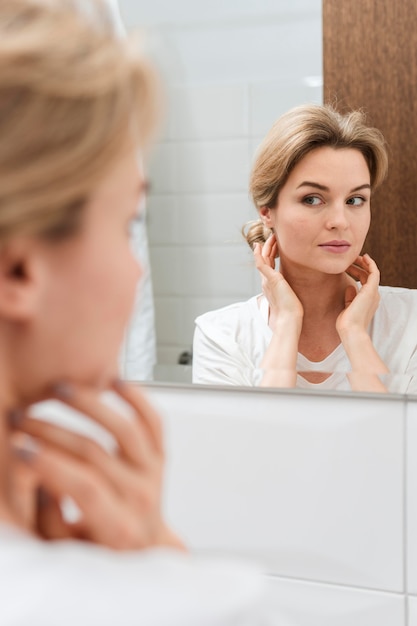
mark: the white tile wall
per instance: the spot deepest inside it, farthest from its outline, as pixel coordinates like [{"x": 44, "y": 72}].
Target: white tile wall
[
  {"x": 212, "y": 166},
  {"x": 162, "y": 219},
  {"x": 412, "y": 611},
  {"x": 208, "y": 112},
  {"x": 213, "y": 219},
  {"x": 187, "y": 12},
  {"x": 310, "y": 485},
  {"x": 202, "y": 270},
  {"x": 412, "y": 497},
  {"x": 230, "y": 68},
  {"x": 167, "y": 359},
  {"x": 295, "y": 603},
  {"x": 162, "y": 169},
  {"x": 246, "y": 49},
  {"x": 269, "y": 100}
]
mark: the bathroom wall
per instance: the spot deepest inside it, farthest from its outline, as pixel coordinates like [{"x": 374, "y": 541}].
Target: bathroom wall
[
  {"x": 320, "y": 490},
  {"x": 229, "y": 70}
]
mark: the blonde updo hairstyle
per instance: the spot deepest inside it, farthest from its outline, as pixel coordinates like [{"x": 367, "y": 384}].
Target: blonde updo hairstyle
[
  {"x": 292, "y": 137},
  {"x": 73, "y": 94}
]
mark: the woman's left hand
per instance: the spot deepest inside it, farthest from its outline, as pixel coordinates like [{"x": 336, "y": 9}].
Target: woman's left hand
[{"x": 360, "y": 305}]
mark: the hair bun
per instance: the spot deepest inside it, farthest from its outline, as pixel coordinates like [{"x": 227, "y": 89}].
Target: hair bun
[{"x": 255, "y": 231}]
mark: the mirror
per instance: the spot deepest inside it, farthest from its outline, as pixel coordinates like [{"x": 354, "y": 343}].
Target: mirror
[{"x": 229, "y": 70}]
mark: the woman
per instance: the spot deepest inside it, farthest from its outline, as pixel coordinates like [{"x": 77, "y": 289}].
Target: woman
[
  {"x": 76, "y": 103},
  {"x": 312, "y": 182}
]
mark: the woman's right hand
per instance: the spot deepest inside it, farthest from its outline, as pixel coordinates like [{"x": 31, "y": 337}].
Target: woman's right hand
[
  {"x": 118, "y": 495},
  {"x": 283, "y": 302}
]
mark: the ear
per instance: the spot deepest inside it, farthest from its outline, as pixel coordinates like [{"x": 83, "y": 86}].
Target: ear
[
  {"x": 21, "y": 279},
  {"x": 266, "y": 217}
]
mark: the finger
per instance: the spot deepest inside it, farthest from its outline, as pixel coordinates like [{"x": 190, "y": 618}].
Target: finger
[
  {"x": 267, "y": 272},
  {"x": 120, "y": 477},
  {"x": 358, "y": 273},
  {"x": 266, "y": 248},
  {"x": 267, "y": 252},
  {"x": 50, "y": 523},
  {"x": 62, "y": 475},
  {"x": 369, "y": 263},
  {"x": 264, "y": 268},
  {"x": 350, "y": 295},
  {"x": 373, "y": 270},
  {"x": 274, "y": 254},
  {"x": 124, "y": 526},
  {"x": 131, "y": 436},
  {"x": 134, "y": 396}
]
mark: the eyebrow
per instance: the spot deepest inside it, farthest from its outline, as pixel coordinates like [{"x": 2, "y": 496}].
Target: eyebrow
[{"x": 307, "y": 183}]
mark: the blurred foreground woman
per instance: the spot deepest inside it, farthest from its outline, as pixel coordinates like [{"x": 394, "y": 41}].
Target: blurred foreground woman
[{"x": 76, "y": 103}]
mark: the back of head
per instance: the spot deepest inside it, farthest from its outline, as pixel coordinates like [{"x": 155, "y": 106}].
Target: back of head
[
  {"x": 72, "y": 94},
  {"x": 293, "y": 136}
]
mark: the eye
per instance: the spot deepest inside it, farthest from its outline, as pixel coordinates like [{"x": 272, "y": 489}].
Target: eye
[
  {"x": 356, "y": 201},
  {"x": 312, "y": 200}
]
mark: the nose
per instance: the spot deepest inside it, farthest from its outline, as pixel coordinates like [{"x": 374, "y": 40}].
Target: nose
[{"x": 337, "y": 218}]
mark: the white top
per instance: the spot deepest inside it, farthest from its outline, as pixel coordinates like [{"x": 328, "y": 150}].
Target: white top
[
  {"x": 76, "y": 584},
  {"x": 229, "y": 344}
]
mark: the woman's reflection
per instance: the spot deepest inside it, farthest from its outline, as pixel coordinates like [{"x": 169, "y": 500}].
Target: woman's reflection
[{"x": 323, "y": 311}]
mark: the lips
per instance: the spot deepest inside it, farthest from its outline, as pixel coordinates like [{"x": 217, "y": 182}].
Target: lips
[{"x": 336, "y": 246}]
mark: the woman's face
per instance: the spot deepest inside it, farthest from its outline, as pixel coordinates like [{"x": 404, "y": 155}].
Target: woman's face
[
  {"x": 89, "y": 286},
  {"x": 323, "y": 211}
]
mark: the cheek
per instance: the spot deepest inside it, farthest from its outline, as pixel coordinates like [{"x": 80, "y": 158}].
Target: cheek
[
  {"x": 125, "y": 280},
  {"x": 292, "y": 232},
  {"x": 362, "y": 227},
  {"x": 109, "y": 288}
]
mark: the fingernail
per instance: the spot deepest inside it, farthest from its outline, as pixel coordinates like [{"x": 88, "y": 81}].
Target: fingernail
[
  {"x": 15, "y": 417},
  {"x": 63, "y": 390},
  {"x": 26, "y": 449}
]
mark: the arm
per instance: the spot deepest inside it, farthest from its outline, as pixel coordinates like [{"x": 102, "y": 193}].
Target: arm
[
  {"x": 352, "y": 326},
  {"x": 279, "y": 363}
]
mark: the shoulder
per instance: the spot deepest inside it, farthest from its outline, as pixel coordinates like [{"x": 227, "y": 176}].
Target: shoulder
[
  {"x": 158, "y": 587},
  {"x": 395, "y": 321},
  {"x": 229, "y": 317},
  {"x": 398, "y": 299}
]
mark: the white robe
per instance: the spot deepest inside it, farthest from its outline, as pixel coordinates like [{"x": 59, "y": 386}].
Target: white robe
[{"x": 229, "y": 345}]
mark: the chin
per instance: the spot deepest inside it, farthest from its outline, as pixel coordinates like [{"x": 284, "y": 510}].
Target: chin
[{"x": 99, "y": 379}]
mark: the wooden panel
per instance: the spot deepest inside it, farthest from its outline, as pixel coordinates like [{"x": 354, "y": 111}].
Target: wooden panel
[{"x": 370, "y": 62}]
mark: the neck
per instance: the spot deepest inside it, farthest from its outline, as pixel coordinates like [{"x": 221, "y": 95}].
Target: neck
[
  {"x": 321, "y": 295},
  {"x": 8, "y": 399}
]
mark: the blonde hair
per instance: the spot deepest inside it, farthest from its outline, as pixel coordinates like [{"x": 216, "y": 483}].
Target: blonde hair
[
  {"x": 292, "y": 137},
  {"x": 72, "y": 95}
]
